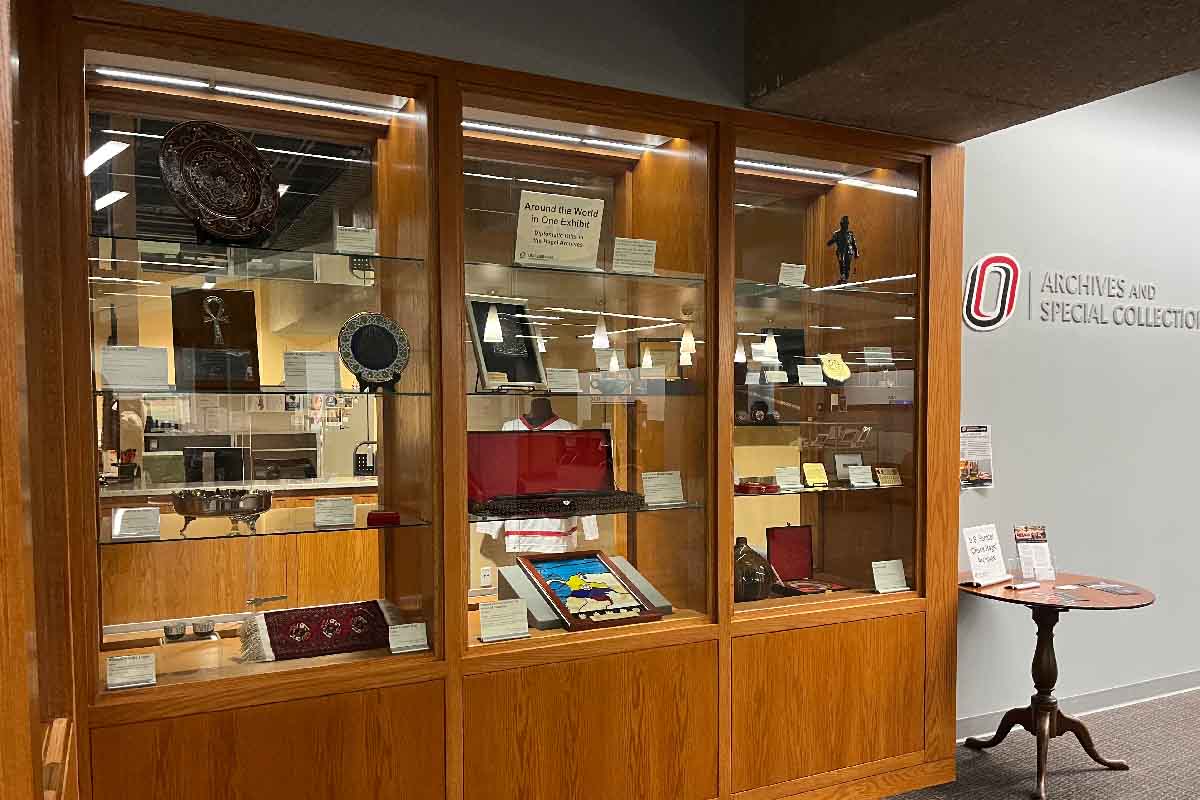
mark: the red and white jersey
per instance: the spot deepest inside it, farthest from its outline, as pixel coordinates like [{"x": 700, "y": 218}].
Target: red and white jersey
[{"x": 558, "y": 535}]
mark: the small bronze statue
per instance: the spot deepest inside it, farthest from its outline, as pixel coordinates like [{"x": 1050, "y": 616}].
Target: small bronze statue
[{"x": 847, "y": 248}]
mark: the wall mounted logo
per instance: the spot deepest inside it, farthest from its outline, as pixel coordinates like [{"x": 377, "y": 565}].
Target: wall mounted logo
[{"x": 1008, "y": 272}]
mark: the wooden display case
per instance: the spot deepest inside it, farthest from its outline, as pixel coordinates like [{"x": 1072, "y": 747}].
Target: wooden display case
[{"x": 718, "y": 699}]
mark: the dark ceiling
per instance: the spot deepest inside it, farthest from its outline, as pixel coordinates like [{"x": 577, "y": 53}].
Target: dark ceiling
[{"x": 957, "y": 69}]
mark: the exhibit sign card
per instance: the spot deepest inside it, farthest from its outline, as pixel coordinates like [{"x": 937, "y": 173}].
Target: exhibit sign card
[
  {"x": 1033, "y": 548},
  {"x": 634, "y": 256},
  {"x": 311, "y": 369},
  {"x": 333, "y": 512},
  {"x": 810, "y": 375},
  {"x": 860, "y": 476},
  {"x": 359, "y": 241},
  {"x": 790, "y": 479},
  {"x": 133, "y": 367},
  {"x": 815, "y": 475},
  {"x": 136, "y": 523},
  {"x": 557, "y": 230},
  {"x": 792, "y": 275},
  {"x": 984, "y": 554},
  {"x": 562, "y": 380},
  {"x": 503, "y": 620},
  {"x": 775, "y": 376},
  {"x": 410, "y": 638},
  {"x": 975, "y": 457},
  {"x": 889, "y": 576},
  {"x": 129, "y": 672},
  {"x": 663, "y": 488},
  {"x": 888, "y": 476}
]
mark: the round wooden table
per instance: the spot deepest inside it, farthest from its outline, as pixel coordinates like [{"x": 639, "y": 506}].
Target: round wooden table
[{"x": 1042, "y": 716}]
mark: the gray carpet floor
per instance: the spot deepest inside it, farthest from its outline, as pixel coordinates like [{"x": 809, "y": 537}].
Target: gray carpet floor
[{"x": 1160, "y": 739}]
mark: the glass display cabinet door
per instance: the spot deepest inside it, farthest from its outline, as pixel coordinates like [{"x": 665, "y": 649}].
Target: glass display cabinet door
[
  {"x": 828, "y": 275},
  {"x": 261, "y": 352},
  {"x": 586, "y": 368}
]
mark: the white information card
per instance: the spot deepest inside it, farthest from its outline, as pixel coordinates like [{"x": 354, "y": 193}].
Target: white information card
[
  {"x": 984, "y": 555},
  {"x": 562, "y": 380},
  {"x": 128, "y": 672},
  {"x": 557, "y": 230},
  {"x": 311, "y": 369},
  {"x": 503, "y": 620},
  {"x": 860, "y": 476},
  {"x": 775, "y": 376},
  {"x": 408, "y": 638},
  {"x": 889, "y": 576},
  {"x": 333, "y": 512},
  {"x": 133, "y": 367},
  {"x": 360, "y": 241},
  {"x": 663, "y": 488},
  {"x": 792, "y": 275},
  {"x": 136, "y": 523},
  {"x": 810, "y": 375},
  {"x": 634, "y": 256},
  {"x": 790, "y": 479}
]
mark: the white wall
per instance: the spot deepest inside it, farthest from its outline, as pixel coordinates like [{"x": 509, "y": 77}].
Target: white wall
[
  {"x": 677, "y": 48},
  {"x": 1095, "y": 426}
]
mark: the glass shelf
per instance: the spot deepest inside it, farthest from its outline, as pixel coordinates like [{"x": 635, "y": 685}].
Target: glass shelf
[
  {"x": 675, "y": 276},
  {"x": 135, "y": 488},
  {"x": 629, "y": 397},
  {"x": 275, "y": 522},
  {"x": 272, "y": 390},
  {"x": 820, "y": 490},
  {"x": 473, "y": 518},
  {"x": 159, "y": 257}
]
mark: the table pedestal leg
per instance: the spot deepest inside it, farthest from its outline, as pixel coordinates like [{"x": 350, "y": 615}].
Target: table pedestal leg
[{"x": 1042, "y": 716}]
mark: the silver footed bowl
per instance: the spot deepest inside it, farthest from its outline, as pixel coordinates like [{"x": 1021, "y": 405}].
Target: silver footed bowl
[{"x": 240, "y": 505}]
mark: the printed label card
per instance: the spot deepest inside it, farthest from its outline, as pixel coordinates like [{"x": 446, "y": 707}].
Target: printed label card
[
  {"x": 634, "y": 256},
  {"x": 888, "y": 476},
  {"x": 503, "y": 620},
  {"x": 815, "y": 475},
  {"x": 410, "y": 638},
  {"x": 663, "y": 488},
  {"x": 889, "y": 576},
  {"x": 130, "y": 672}
]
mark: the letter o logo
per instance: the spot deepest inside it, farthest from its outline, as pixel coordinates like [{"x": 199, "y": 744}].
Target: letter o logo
[{"x": 1006, "y": 269}]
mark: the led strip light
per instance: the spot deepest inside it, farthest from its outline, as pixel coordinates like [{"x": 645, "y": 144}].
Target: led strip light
[
  {"x": 551, "y": 136},
  {"x": 305, "y": 101}
]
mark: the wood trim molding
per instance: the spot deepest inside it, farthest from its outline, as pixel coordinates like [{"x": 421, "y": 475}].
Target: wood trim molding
[
  {"x": 942, "y": 345},
  {"x": 886, "y": 784},
  {"x": 796, "y": 617},
  {"x": 165, "y": 702},
  {"x": 841, "y": 776},
  {"x": 20, "y": 760}
]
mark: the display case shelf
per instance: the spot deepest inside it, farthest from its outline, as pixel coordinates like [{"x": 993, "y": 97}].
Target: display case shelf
[
  {"x": 275, "y": 522},
  {"x": 818, "y": 490},
  {"x": 295, "y": 486},
  {"x": 158, "y": 259},
  {"x": 659, "y": 275},
  {"x": 164, "y": 391},
  {"x": 644, "y": 509},
  {"x": 626, "y": 397}
]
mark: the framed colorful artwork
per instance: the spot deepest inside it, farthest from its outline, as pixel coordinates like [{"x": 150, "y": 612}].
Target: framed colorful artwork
[{"x": 587, "y": 590}]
